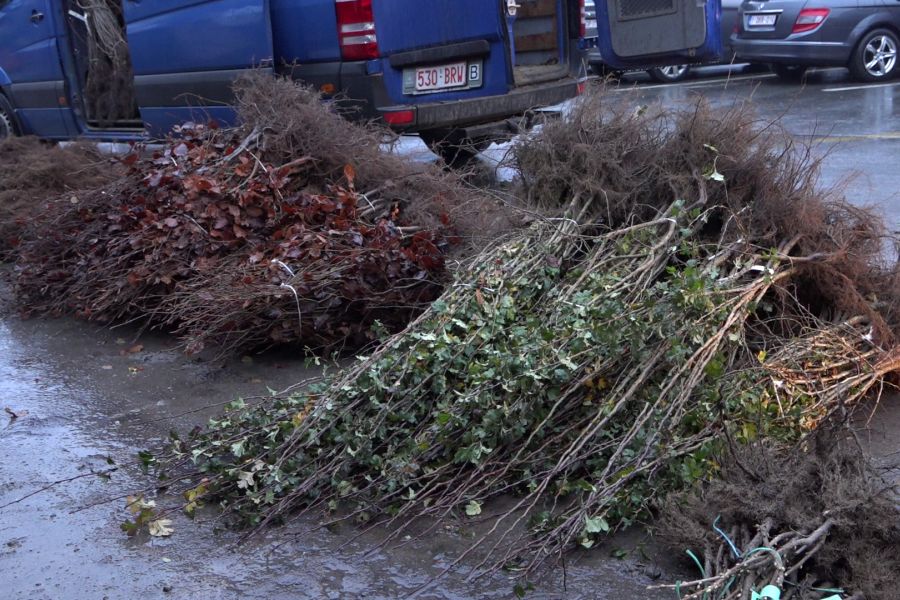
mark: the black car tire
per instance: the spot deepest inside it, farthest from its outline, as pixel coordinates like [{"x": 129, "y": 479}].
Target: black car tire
[
  {"x": 8, "y": 127},
  {"x": 875, "y": 57},
  {"x": 789, "y": 72},
  {"x": 451, "y": 145},
  {"x": 670, "y": 74}
]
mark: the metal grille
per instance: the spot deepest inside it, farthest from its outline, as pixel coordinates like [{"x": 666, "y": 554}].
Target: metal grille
[{"x": 630, "y": 9}]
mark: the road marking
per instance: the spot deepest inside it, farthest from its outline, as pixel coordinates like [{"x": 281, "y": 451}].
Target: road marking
[
  {"x": 856, "y": 138},
  {"x": 695, "y": 83},
  {"x": 861, "y": 87}
]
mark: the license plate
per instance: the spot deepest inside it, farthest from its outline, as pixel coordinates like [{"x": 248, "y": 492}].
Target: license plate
[
  {"x": 590, "y": 24},
  {"x": 442, "y": 77},
  {"x": 762, "y": 20}
]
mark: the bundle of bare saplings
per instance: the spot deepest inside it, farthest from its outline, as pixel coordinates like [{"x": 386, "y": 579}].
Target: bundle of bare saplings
[
  {"x": 109, "y": 80},
  {"x": 692, "y": 289},
  {"x": 293, "y": 227}
]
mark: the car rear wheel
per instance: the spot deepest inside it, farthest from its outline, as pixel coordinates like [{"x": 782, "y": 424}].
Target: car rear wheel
[
  {"x": 7, "y": 119},
  {"x": 875, "y": 58},
  {"x": 670, "y": 74},
  {"x": 789, "y": 72}
]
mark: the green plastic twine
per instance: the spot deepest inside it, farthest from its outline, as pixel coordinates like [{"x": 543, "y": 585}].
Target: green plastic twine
[{"x": 702, "y": 572}]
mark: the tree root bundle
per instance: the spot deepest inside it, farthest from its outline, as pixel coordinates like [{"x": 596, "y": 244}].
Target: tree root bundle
[
  {"x": 235, "y": 243},
  {"x": 31, "y": 171},
  {"x": 803, "y": 523},
  {"x": 590, "y": 364}
]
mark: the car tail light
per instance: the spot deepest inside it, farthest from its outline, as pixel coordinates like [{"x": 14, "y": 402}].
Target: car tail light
[
  {"x": 356, "y": 29},
  {"x": 809, "y": 19},
  {"x": 582, "y": 30}
]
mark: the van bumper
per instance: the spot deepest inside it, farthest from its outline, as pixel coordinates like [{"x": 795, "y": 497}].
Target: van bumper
[
  {"x": 475, "y": 111},
  {"x": 368, "y": 96}
]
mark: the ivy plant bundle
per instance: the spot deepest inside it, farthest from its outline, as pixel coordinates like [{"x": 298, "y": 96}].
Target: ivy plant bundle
[
  {"x": 590, "y": 391},
  {"x": 586, "y": 365}
]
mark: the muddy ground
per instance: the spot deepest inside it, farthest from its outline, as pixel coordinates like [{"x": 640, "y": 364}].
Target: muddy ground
[{"x": 86, "y": 401}]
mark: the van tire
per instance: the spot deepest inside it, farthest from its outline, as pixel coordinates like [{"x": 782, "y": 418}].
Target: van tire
[
  {"x": 8, "y": 127},
  {"x": 670, "y": 74},
  {"x": 452, "y": 146}
]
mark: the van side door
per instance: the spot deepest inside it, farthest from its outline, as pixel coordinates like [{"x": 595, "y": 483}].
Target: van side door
[
  {"x": 186, "y": 54},
  {"x": 639, "y": 34},
  {"x": 30, "y": 62}
]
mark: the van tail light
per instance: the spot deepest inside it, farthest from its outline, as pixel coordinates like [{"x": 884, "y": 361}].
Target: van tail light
[
  {"x": 582, "y": 28},
  {"x": 809, "y": 19},
  {"x": 356, "y": 29},
  {"x": 399, "y": 117}
]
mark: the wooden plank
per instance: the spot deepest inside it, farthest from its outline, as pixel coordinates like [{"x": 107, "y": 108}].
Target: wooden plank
[
  {"x": 540, "y": 41},
  {"x": 537, "y": 8}
]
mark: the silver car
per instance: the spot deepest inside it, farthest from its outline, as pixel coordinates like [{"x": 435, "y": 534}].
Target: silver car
[
  {"x": 674, "y": 73},
  {"x": 793, "y": 35}
]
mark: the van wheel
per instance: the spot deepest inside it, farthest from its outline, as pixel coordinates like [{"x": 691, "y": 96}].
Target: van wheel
[
  {"x": 670, "y": 74},
  {"x": 7, "y": 119},
  {"x": 452, "y": 146},
  {"x": 875, "y": 57}
]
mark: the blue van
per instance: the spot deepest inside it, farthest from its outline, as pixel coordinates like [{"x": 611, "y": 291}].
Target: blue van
[{"x": 132, "y": 69}]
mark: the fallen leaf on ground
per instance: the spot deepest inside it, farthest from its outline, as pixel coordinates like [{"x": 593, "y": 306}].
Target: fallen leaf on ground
[
  {"x": 135, "y": 349},
  {"x": 247, "y": 360},
  {"x": 107, "y": 367},
  {"x": 160, "y": 528},
  {"x": 136, "y": 504},
  {"x": 16, "y": 413}
]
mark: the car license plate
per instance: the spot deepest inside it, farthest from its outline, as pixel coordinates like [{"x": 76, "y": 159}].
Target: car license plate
[
  {"x": 762, "y": 20},
  {"x": 442, "y": 77},
  {"x": 590, "y": 24}
]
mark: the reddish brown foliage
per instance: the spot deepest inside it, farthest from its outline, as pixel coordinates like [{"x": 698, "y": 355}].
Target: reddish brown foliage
[{"x": 213, "y": 239}]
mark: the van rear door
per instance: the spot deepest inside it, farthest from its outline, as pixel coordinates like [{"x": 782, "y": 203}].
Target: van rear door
[
  {"x": 442, "y": 49},
  {"x": 29, "y": 56},
  {"x": 638, "y": 34},
  {"x": 186, "y": 54}
]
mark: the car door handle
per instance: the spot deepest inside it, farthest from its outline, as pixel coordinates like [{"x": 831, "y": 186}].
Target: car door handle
[{"x": 36, "y": 16}]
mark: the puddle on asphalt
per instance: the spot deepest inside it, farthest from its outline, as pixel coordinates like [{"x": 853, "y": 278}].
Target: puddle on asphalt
[{"x": 88, "y": 401}]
